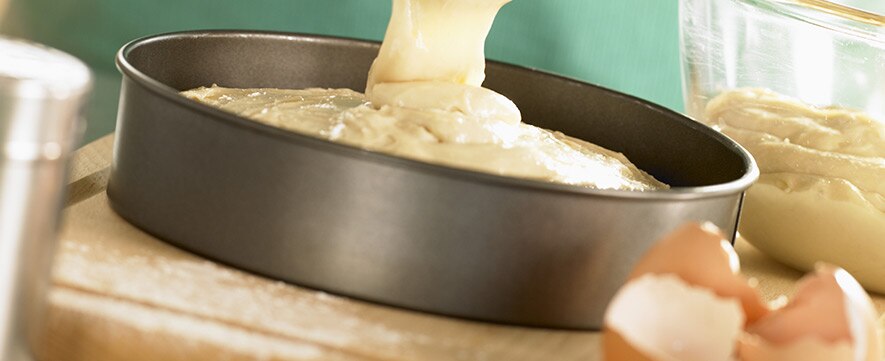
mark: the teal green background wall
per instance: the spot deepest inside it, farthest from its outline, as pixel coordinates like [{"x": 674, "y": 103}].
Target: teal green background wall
[{"x": 628, "y": 45}]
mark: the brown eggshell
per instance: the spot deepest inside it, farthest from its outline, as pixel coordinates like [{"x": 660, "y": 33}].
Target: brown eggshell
[
  {"x": 700, "y": 255},
  {"x": 829, "y": 318},
  {"x": 816, "y": 310}
]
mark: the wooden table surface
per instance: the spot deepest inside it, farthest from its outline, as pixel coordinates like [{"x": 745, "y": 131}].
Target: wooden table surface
[{"x": 120, "y": 294}]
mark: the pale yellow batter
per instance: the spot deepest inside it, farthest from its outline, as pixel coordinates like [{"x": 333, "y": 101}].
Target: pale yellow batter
[
  {"x": 492, "y": 145},
  {"x": 821, "y": 195},
  {"x": 425, "y": 101}
]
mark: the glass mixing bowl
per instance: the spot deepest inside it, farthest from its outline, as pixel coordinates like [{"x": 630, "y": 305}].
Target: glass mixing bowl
[{"x": 801, "y": 85}]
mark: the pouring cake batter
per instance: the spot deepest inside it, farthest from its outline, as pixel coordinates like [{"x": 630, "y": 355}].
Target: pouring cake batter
[{"x": 424, "y": 101}]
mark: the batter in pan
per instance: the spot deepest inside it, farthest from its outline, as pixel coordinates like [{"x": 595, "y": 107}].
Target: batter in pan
[{"x": 424, "y": 101}]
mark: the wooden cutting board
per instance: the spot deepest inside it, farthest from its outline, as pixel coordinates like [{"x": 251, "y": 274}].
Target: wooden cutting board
[{"x": 120, "y": 294}]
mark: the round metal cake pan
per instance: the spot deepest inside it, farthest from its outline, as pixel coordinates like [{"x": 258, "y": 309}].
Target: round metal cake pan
[{"x": 395, "y": 231}]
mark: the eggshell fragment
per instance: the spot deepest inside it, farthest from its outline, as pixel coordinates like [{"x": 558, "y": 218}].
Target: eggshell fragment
[
  {"x": 663, "y": 318},
  {"x": 829, "y": 318},
  {"x": 701, "y": 256}
]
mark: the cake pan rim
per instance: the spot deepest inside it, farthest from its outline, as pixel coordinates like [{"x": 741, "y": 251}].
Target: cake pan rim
[{"x": 750, "y": 174}]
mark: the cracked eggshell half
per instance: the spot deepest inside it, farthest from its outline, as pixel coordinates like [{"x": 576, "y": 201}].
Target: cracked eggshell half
[
  {"x": 701, "y": 256},
  {"x": 830, "y": 317},
  {"x": 684, "y": 301}
]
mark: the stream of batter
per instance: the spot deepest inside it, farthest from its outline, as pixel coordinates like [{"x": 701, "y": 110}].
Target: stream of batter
[{"x": 424, "y": 101}]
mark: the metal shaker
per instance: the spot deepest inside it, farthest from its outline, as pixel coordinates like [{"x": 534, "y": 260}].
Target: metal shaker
[{"x": 42, "y": 91}]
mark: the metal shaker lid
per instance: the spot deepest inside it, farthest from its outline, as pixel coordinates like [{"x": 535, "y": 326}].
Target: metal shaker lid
[{"x": 42, "y": 92}]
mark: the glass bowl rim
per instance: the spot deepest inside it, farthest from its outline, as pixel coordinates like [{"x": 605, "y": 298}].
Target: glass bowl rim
[{"x": 830, "y": 15}]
